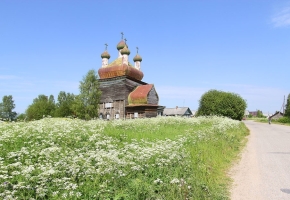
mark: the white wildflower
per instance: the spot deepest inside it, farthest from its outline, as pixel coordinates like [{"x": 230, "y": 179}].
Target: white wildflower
[{"x": 174, "y": 181}]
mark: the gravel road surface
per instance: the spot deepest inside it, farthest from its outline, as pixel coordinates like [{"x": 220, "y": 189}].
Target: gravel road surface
[{"x": 264, "y": 169}]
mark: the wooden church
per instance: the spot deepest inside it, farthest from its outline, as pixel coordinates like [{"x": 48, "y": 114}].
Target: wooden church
[{"x": 124, "y": 94}]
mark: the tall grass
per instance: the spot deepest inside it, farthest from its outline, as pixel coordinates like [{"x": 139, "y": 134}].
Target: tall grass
[
  {"x": 282, "y": 120},
  {"x": 158, "y": 158}
]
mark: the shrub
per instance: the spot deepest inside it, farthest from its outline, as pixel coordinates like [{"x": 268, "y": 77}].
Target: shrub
[
  {"x": 283, "y": 120},
  {"x": 221, "y": 103}
]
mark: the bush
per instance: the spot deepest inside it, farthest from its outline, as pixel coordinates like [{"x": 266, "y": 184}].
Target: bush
[
  {"x": 283, "y": 120},
  {"x": 221, "y": 103}
]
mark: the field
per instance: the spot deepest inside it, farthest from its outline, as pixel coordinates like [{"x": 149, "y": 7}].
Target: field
[{"x": 157, "y": 158}]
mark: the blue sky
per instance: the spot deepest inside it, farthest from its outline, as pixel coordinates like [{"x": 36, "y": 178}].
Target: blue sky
[{"x": 188, "y": 47}]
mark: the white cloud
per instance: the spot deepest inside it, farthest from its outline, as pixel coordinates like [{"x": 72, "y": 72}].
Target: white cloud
[{"x": 282, "y": 18}]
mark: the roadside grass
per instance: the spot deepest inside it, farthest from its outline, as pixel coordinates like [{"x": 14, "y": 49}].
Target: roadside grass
[
  {"x": 157, "y": 158},
  {"x": 282, "y": 121}
]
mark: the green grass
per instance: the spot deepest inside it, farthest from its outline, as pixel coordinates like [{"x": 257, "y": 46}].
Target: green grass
[
  {"x": 282, "y": 120},
  {"x": 158, "y": 158}
]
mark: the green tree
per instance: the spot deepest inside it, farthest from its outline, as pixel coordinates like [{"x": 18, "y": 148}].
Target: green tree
[
  {"x": 86, "y": 104},
  {"x": 41, "y": 106},
  {"x": 287, "y": 110},
  {"x": 260, "y": 114},
  {"x": 21, "y": 117},
  {"x": 64, "y": 104},
  {"x": 6, "y": 108},
  {"x": 221, "y": 103}
]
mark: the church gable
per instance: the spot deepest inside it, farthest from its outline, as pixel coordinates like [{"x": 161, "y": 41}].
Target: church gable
[
  {"x": 117, "y": 88},
  {"x": 153, "y": 97},
  {"x": 143, "y": 95}
]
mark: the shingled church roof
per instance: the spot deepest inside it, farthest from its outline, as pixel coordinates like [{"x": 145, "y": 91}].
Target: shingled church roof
[{"x": 140, "y": 95}]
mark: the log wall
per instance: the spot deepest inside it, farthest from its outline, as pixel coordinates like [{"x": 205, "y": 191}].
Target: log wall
[{"x": 153, "y": 97}]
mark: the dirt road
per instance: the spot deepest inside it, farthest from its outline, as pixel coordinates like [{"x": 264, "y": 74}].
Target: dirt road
[{"x": 264, "y": 169}]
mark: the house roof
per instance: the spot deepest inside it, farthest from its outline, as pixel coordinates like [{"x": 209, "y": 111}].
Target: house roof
[
  {"x": 177, "y": 111},
  {"x": 277, "y": 113},
  {"x": 139, "y": 95}
]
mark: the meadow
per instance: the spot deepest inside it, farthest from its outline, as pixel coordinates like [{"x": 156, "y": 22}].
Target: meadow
[{"x": 157, "y": 158}]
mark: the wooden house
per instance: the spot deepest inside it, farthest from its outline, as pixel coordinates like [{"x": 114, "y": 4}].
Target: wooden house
[
  {"x": 124, "y": 94},
  {"x": 277, "y": 115},
  {"x": 178, "y": 111}
]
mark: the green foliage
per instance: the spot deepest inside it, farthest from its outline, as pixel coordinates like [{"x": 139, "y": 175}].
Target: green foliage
[
  {"x": 21, "y": 117},
  {"x": 260, "y": 114},
  {"x": 6, "y": 108},
  {"x": 64, "y": 104},
  {"x": 41, "y": 106},
  {"x": 221, "y": 103},
  {"x": 86, "y": 104},
  {"x": 287, "y": 110},
  {"x": 157, "y": 158},
  {"x": 284, "y": 120}
]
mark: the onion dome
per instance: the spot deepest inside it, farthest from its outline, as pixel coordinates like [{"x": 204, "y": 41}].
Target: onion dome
[
  {"x": 125, "y": 50},
  {"x": 121, "y": 45},
  {"x": 137, "y": 58},
  {"x": 105, "y": 54}
]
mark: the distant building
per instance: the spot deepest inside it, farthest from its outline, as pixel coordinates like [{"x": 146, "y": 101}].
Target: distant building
[
  {"x": 124, "y": 95},
  {"x": 277, "y": 115},
  {"x": 246, "y": 114},
  {"x": 253, "y": 113},
  {"x": 266, "y": 115},
  {"x": 178, "y": 111}
]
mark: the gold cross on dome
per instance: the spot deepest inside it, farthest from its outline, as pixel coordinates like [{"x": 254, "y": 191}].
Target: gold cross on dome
[
  {"x": 137, "y": 49},
  {"x": 125, "y": 40},
  {"x": 122, "y": 35},
  {"x": 106, "y": 46}
]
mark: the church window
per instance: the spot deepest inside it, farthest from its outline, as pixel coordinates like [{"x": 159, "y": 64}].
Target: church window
[{"x": 108, "y": 105}]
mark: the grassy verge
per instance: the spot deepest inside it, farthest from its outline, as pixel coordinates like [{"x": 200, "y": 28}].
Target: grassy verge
[
  {"x": 160, "y": 158},
  {"x": 282, "y": 121}
]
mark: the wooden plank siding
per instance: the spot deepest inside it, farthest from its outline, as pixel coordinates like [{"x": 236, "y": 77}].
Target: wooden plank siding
[
  {"x": 153, "y": 97},
  {"x": 117, "y": 91},
  {"x": 117, "y": 108},
  {"x": 143, "y": 111},
  {"x": 118, "y": 88}
]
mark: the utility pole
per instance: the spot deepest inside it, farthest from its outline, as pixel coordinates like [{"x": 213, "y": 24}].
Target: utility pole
[{"x": 284, "y": 105}]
